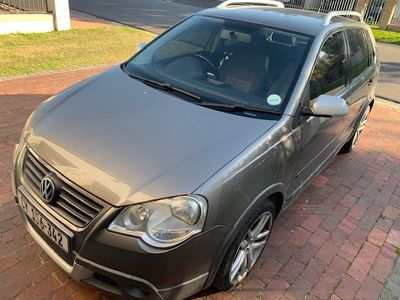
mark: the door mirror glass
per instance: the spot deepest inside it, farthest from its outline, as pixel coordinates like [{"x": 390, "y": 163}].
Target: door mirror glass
[
  {"x": 141, "y": 45},
  {"x": 328, "y": 106}
]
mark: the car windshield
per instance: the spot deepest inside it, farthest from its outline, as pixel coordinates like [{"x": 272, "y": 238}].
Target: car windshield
[{"x": 225, "y": 61}]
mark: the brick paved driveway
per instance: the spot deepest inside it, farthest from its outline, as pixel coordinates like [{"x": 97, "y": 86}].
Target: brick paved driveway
[{"x": 338, "y": 240}]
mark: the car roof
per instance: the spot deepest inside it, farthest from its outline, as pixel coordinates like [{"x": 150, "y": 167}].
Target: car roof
[{"x": 302, "y": 21}]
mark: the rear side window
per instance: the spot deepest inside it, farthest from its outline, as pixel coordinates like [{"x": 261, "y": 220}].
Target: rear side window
[
  {"x": 329, "y": 75},
  {"x": 358, "y": 51},
  {"x": 371, "y": 53}
]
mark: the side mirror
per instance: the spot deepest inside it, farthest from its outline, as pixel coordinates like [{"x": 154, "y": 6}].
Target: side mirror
[
  {"x": 327, "y": 106},
  {"x": 141, "y": 45}
]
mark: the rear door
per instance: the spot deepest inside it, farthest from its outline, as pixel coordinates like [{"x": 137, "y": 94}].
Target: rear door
[{"x": 362, "y": 72}]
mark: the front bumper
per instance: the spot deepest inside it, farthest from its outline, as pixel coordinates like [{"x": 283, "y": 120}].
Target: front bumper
[{"x": 111, "y": 261}]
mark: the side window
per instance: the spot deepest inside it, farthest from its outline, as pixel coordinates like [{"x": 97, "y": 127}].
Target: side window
[
  {"x": 358, "y": 51},
  {"x": 329, "y": 75},
  {"x": 371, "y": 53}
]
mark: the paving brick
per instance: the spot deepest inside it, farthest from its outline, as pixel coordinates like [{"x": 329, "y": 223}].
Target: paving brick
[
  {"x": 327, "y": 252},
  {"x": 275, "y": 289},
  {"x": 251, "y": 289},
  {"x": 384, "y": 224},
  {"x": 348, "y": 200},
  {"x": 357, "y": 211},
  {"x": 340, "y": 211},
  {"x": 306, "y": 253},
  {"x": 311, "y": 223},
  {"x": 313, "y": 270},
  {"x": 291, "y": 270},
  {"x": 347, "y": 288},
  {"x": 299, "y": 237},
  {"x": 359, "y": 269},
  {"x": 377, "y": 237},
  {"x": 393, "y": 238},
  {"x": 337, "y": 267},
  {"x": 368, "y": 253},
  {"x": 330, "y": 223},
  {"x": 381, "y": 268},
  {"x": 279, "y": 235},
  {"x": 370, "y": 289},
  {"x": 318, "y": 237},
  {"x": 269, "y": 268},
  {"x": 283, "y": 253},
  {"x": 299, "y": 289},
  {"x": 348, "y": 251},
  {"x": 324, "y": 287},
  {"x": 358, "y": 236}
]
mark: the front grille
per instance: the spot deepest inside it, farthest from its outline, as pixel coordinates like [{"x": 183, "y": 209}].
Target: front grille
[{"x": 71, "y": 204}]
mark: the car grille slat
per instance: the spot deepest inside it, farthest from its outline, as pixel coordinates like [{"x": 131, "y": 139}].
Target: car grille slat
[
  {"x": 71, "y": 201},
  {"x": 33, "y": 178},
  {"x": 71, "y": 204},
  {"x": 38, "y": 165},
  {"x": 73, "y": 211},
  {"x": 83, "y": 200},
  {"x": 39, "y": 175}
]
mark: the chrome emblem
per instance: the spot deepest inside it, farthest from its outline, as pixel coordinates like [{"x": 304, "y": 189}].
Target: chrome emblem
[{"x": 47, "y": 189}]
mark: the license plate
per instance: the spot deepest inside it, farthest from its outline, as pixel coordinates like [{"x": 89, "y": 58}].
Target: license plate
[{"x": 55, "y": 234}]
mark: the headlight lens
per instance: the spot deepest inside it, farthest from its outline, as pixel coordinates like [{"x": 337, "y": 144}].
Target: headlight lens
[{"x": 163, "y": 223}]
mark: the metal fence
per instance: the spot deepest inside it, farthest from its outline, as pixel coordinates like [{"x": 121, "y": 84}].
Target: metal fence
[
  {"x": 23, "y": 6},
  {"x": 332, "y": 5},
  {"x": 396, "y": 15},
  {"x": 321, "y": 5},
  {"x": 374, "y": 11},
  {"x": 294, "y": 3}
]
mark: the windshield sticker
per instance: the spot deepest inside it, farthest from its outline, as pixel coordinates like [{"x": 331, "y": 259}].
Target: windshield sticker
[{"x": 274, "y": 100}]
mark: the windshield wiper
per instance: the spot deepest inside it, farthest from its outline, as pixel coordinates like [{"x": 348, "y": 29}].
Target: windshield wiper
[
  {"x": 164, "y": 86},
  {"x": 214, "y": 105},
  {"x": 238, "y": 107}
]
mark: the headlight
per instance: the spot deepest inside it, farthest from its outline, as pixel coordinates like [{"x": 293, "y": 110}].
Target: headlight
[{"x": 163, "y": 223}]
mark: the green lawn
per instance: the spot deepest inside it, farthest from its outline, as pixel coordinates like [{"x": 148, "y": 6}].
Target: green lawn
[
  {"x": 386, "y": 36},
  {"x": 23, "y": 54}
]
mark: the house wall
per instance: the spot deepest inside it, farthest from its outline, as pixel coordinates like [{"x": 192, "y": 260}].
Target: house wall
[{"x": 57, "y": 18}]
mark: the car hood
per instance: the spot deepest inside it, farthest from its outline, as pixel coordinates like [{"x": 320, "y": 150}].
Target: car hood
[{"x": 126, "y": 142}]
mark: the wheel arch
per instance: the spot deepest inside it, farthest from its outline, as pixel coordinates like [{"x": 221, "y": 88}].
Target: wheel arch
[{"x": 275, "y": 193}]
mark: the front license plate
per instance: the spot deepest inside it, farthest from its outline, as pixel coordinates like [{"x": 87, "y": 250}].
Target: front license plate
[{"x": 55, "y": 234}]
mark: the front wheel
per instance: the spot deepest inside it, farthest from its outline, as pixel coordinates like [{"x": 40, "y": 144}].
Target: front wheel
[
  {"x": 350, "y": 145},
  {"x": 246, "y": 247}
]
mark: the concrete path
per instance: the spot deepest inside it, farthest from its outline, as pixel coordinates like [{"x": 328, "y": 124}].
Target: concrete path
[{"x": 389, "y": 78}]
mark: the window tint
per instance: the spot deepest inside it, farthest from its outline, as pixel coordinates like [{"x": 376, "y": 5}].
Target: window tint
[
  {"x": 226, "y": 61},
  {"x": 190, "y": 40},
  {"x": 371, "y": 53},
  {"x": 358, "y": 51},
  {"x": 329, "y": 74}
]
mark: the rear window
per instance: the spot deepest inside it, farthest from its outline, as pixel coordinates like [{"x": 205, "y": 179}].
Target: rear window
[{"x": 359, "y": 56}]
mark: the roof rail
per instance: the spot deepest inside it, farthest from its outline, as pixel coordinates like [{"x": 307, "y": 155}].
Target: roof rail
[
  {"x": 329, "y": 16},
  {"x": 274, "y": 3}
]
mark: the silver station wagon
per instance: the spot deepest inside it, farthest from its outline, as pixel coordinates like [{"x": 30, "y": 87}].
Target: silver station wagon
[{"x": 164, "y": 175}]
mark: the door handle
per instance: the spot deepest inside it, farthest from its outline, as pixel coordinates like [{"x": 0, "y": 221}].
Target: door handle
[{"x": 370, "y": 82}]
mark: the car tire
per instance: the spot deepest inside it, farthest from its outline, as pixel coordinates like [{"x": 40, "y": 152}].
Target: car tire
[
  {"x": 243, "y": 248},
  {"x": 350, "y": 145}
]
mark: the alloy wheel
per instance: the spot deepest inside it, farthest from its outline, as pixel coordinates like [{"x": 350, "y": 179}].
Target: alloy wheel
[
  {"x": 250, "y": 248},
  {"x": 361, "y": 126}
]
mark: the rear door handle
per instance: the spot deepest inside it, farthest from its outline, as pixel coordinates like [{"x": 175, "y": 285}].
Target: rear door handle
[{"x": 370, "y": 82}]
